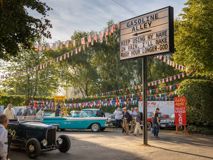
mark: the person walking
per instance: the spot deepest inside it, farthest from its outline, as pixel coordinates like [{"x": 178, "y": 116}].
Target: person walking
[
  {"x": 118, "y": 117},
  {"x": 29, "y": 111},
  {"x": 9, "y": 112},
  {"x": 156, "y": 123},
  {"x": 138, "y": 123},
  {"x": 3, "y": 137},
  {"x": 40, "y": 113},
  {"x": 133, "y": 123},
  {"x": 127, "y": 118}
]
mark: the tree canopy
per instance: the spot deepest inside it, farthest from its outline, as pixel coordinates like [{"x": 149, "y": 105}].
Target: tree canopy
[
  {"x": 194, "y": 37},
  {"x": 19, "y": 28}
]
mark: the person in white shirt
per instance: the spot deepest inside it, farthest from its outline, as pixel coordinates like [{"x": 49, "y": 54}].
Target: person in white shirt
[
  {"x": 134, "y": 112},
  {"x": 9, "y": 112},
  {"x": 118, "y": 117},
  {"x": 40, "y": 114},
  {"x": 3, "y": 137}
]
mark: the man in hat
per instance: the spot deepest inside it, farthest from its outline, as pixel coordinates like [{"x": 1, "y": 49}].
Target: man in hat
[
  {"x": 9, "y": 112},
  {"x": 127, "y": 118}
]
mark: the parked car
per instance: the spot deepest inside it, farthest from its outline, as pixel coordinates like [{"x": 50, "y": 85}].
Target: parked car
[
  {"x": 91, "y": 112},
  {"x": 167, "y": 121},
  {"x": 49, "y": 114},
  {"x": 78, "y": 120},
  {"x": 35, "y": 137},
  {"x": 111, "y": 120},
  {"x": 19, "y": 110}
]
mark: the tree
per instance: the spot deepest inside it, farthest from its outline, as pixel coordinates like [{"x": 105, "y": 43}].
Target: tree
[
  {"x": 31, "y": 83},
  {"x": 194, "y": 37},
  {"x": 19, "y": 28}
]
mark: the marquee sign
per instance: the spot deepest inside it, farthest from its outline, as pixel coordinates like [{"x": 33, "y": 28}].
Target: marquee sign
[{"x": 148, "y": 34}]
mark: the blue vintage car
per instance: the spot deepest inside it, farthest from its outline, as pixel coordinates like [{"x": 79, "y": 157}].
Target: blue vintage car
[
  {"x": 91, "y": 112},
  {"x": 77, "y": 120}
]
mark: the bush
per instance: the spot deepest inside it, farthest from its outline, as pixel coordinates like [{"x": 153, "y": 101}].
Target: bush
[
  {"x": 199, "y": 95},
  {"x": 200, "y": 130}
]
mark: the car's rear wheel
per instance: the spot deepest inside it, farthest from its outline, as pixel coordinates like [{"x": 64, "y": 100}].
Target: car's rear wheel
[
  {"x": 33, "y": 148},
  {"x": 64, "y": 143},
  {"x": 95, "y": 127}
]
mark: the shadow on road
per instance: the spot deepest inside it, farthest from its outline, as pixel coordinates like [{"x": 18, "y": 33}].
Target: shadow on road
[{"x": 182, "y": 152}]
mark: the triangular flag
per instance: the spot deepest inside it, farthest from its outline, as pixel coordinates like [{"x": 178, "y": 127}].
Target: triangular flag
[
  {"x": 89, "y": 39},
  {"x": 95, "y": 38},
  {"x": 68, "y": 55},
  {"x": 83, "y": 41},
  {"x": 65, "y": 56},
  {"x": 101, "y": 35}
]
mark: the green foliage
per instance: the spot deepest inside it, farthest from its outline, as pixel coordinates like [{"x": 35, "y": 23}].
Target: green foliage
[
  {"x": 19, "y": 100},
  {"x": 194, "y": 37},
  {"x": 199, "y": 94},
  {"x": 31, "y": 83},
  {"x": 15, "y": 100},
  {"x": 19, "y": 27}
]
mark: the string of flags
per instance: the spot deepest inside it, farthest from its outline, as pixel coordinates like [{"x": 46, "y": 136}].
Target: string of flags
[
  {"x": 73, "y": 45},
  {"x": 171, "y": 63},
  {"x": 150, "y": 84},
  {"x": 131, "y": 99},
  {"x": 84, "y": 42},
  {"x": 78, "y": 47}
]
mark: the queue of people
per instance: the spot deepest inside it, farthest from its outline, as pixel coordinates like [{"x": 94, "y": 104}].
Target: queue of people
[{"x": 130, "y": 121}]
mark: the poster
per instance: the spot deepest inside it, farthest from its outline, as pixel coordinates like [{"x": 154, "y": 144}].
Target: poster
[
  {"x": 166, "y": 107},
  {"x": 180, "y": 111}
]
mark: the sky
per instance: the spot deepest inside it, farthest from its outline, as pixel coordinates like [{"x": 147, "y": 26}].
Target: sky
[{"x": 68, "y": 16}]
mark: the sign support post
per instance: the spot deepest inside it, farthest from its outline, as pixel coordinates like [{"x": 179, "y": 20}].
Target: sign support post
[
  {"x": 146, "y": 35},
  {"x": 144, "y": 84}
]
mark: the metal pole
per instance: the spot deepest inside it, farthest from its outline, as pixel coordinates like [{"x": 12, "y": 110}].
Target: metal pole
[{"x": 144, "y": 83}]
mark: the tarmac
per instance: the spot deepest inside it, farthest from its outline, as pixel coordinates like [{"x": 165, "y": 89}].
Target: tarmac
[{"x": 113, "y": 145}]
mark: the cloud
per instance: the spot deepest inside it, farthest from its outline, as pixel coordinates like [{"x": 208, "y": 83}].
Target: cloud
[{"x": 86, "y": 15}]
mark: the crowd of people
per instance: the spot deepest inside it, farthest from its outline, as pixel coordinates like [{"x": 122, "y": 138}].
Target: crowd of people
[{"x": 130, "y": 121}]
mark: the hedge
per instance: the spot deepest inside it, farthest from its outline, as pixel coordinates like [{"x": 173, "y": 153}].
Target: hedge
[
  {"x": 199, "y": 95},
  {"x": 18, "y": 100}
]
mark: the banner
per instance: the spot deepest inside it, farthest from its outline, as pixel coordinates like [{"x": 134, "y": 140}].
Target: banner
[
  {"x": 180, "y": 111},
  {"x": 166, "y": 107}
]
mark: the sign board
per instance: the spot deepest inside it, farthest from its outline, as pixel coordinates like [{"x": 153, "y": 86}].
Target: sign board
[
  {"x": 148, "y": 34},
  {"x": 180, "y": 111}
]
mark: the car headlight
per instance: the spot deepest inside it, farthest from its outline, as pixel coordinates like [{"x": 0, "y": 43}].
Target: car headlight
[
  {"x": 44, "y": 142},
  {"x": 60, "y": 141}
]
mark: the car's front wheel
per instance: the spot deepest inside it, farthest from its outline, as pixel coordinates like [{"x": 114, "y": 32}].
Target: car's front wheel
[
  {"x": 95, "y": 127},
  {"x": 64, "y": 143},
  {"x": 33, "y": 148}
]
